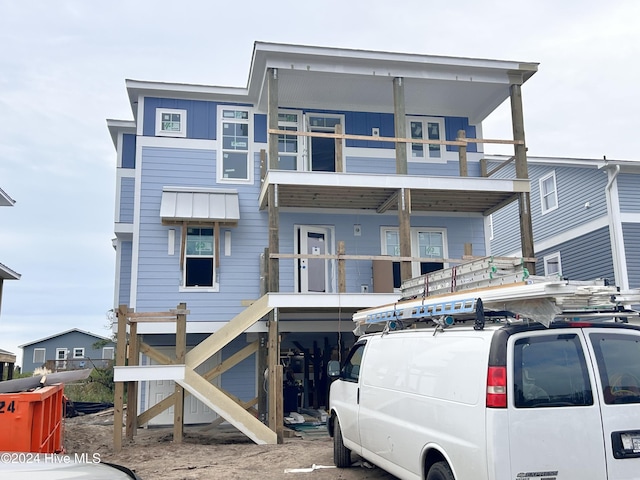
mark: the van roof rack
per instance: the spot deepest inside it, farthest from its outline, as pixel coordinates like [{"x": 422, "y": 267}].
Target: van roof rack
[{"x": 539, "y": 299}]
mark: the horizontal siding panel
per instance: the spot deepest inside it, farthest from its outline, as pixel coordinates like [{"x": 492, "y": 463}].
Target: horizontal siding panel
[
  {"x": 631, "y": 235},
  {"x": 127, "y": 191},
  {"x": 628, "y": 186}
]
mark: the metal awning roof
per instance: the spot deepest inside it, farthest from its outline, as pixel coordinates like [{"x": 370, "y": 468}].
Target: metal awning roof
[{"x": 194, "y": 204}]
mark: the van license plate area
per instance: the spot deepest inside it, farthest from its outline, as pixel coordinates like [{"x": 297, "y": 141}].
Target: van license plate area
[{"x": 626, "y": 444}]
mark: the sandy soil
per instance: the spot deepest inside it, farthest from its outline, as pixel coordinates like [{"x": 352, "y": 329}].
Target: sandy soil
[{"x": 219, "y": 453}]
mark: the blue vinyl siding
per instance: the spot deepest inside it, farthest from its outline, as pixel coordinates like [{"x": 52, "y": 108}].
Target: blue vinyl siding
[
  {"x": 124, "y": 291},
  {"x": 452, "y": 125},
  {"x": 201, "y": 116},
  {"x": 70, "y": 340},
  {"x": 387, "y": 166},
  {"x": 128, "y": 151},
  {"x": 583, "y": 258},
  {"x": 127, "y": 191},
  {"x": 159, "y": 274},
  {"x": 460, "y": 230},
  {"x": 631, "y": 234},
  {"x": 628, "y": 186},
  {"x": 260, "y": 128}
]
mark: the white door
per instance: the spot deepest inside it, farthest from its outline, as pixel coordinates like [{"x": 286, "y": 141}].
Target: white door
[
  {"x": 555, "y": 428},
  {"x": 194, "y": 410},
  {"x": 314, "y": 274},
  {"x": 61, "y": 358}
]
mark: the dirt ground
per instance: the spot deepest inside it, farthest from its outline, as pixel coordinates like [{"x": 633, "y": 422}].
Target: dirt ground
[{"x": 218, "y": 453}]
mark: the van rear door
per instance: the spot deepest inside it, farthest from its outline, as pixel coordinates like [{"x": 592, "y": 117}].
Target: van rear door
[
  {"x": 555, "y": 430},
  {"x": 617, "y": 355}
]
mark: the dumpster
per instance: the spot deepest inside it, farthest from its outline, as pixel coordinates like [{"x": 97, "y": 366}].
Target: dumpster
[{"x": 32, "y": 421}]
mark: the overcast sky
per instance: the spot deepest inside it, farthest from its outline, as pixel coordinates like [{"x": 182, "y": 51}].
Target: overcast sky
[{"x": 62, "y": 70}]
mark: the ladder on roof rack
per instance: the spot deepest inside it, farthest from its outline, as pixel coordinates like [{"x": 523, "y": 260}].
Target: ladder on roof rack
[{"x": 541, "y": 301}]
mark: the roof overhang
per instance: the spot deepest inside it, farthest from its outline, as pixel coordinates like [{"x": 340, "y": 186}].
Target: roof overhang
[
  {"x": 199, "y": 205},
  {"x": 7, "y": 274},
  {"x": 120, "y": 126},
  {"x": 377, "y": 192},
  {"x": 5, "y": 199},
  {"x": 362, "y": 80}
]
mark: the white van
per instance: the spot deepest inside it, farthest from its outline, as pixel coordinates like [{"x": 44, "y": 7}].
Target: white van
[{"x": 507, "y": 402}]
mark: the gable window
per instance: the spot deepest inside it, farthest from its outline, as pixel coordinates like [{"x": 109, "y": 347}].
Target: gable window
[
  {"x": 234, "y": 135},
  {"x": 548, "y": 193},
  {"x": 552, "y": 264},
  {"x": 107, "y": 353},
  {"x": 39, "y": 355},
  {"x": 199, "y": 258},
  {"x": 425, "y": 128},
  {"x": 78, "y": 352},
  {"x": 171, "y": 122},
  {"x": 425, "y": 243}
]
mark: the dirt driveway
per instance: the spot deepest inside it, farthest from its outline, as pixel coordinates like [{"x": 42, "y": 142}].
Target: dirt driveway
[{"x": 220, "y": 453}]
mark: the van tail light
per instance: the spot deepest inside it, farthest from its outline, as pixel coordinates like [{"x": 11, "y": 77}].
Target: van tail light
[{"x": 497, "y": 387}]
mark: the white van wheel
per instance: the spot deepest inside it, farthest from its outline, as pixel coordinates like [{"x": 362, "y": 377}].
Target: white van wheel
[
  {"x": 440, "y": 471},
  {"x": 341, "y": 454}
]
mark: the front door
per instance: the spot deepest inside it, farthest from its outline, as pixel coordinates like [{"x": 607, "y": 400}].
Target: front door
[{"x": 314, "y": 273}]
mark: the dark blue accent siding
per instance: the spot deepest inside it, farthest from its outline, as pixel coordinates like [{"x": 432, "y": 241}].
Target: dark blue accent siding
[
  {"x": 452, "y": 125},
  {"x": 201, "y": 116},
  {"x": 361, "y": 123},
  {"x": 128, "y": 151},
  {"x": 260, "y": 128}
]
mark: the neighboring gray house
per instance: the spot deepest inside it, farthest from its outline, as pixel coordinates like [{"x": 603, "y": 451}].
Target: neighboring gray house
[
  {"x": 70, "y": 350},
  {"x": 585, "y": 215},
  {"x": 7, "y": 359}
]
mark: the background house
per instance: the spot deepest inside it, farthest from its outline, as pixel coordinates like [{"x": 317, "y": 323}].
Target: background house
[
  {"x": 70, "y": 350},
  {"x": 7, "y": 359},
  {"x": 585, "y": 216},
  {"x": 315, "y": 190}
]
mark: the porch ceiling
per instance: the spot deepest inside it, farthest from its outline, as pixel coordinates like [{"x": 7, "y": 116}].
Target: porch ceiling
[{"x": 306, "y": 190}]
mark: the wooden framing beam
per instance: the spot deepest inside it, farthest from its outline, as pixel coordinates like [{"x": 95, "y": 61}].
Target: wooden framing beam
[
  {"x": 399, "y": 114},
  {"x": 132, "y": 387},
  {"x": 181, "y": 350}
]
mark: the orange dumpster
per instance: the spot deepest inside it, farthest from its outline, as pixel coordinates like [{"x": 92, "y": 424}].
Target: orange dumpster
[{"x": 32, "y": 421}]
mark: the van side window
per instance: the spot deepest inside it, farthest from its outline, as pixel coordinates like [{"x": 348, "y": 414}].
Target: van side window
[
  {"x": 550, "y": 371},
  {"x": 618, "y": 357},
  {"x": 351, "y": 368}
]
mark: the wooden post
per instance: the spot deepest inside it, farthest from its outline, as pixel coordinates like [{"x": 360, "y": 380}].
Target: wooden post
[
  {"x": 339, "y": 152},
  {"x": 275, "y": 380},
  {"x": 272, "y": 116},
  {"x": 462, "y": 154},
  {"x": 468, "y": 249},
  {"x": 262, "y": 366},
  {"x": 400, "y": 120},
  {"x": 263, "y": 165},
  {"x": 342, "y": 277},
  {"x": 181, "y": 350},
  {"x": 483, "y": 167},
  {"x": 132, "y": 387},
  {"x": 118, "y": 395},
  {"x": 524, "y": 201},
  {"x": 404, "y": 231}
]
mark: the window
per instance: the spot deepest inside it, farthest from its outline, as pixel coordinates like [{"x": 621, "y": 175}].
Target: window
[
  {"x": 548, "y": 193},
  {"x": 78, "y": 352},
  {"x": 234, "y": 135},
  {"x": 107, "y": 353},
  {"x": 617, "y": 357},
  {"x": 351, "y": 368},
  {"x": 39, "y": 355},
  {"x": 550, "y": 371},
  {"x": 552, "y": 265},
  {"x": 199, "y": 258},
  {"x": 425, "y": 243},
  {"x": 171, "y": 123},
  {"x": 288, "y": 145},
  {"x": 425, "y": 128}
]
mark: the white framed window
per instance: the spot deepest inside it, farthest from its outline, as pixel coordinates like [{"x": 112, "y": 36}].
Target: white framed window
[
  {"x": 108, "y": 353},
  {"x": 290, "y": 147},
  {"x": 548, "y": 193},
  {"x": 234, "y": 165},
  {"x": 171, "y": 122},
  {"x": 425, "y": 128},
  {"x": 425, "y": 242},
  {"x": 78, "y": 352},
  {"x": 39, "y": 355},
  {"x": 552, "y": 264},
  {"x": 199, "y": 260}
]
